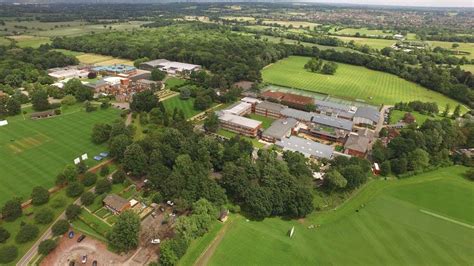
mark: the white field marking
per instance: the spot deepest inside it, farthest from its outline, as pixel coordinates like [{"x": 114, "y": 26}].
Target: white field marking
[{"x": 447, "y": 219}]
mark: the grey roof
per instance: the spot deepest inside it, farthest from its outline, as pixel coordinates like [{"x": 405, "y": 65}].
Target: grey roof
[
  {"x": 357, "y": 143},
  {"x": 332, "y": 122},
  {"x": 280, "y": 128},
  {"x": 238, "y": 120},
  {"x": 368, "y": 113},
  {"x": 333, "y": 105},
  {"x": 273, "y": 107},
  {"x": 115, "y": 202},
  {"x": 297, "y": 114},
  {"x": 306, "y": 147},
  {"x": 156, "y": 62}
]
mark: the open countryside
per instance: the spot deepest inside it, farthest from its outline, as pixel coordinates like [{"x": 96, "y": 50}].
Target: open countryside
[
  {"x": 350, "y": 82},
  {"x": 384, "y": 219}
]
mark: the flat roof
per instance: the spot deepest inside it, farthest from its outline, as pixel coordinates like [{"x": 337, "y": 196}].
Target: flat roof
[
  {"x": 250, "y": 100},
  {"x": 120, "y": 68},
  {"x": 280, "y": 128},
  {"x": 306, "y": 147},
  {"x": 239, "y": 120},
  {"x": 332, "y": 105},
  {"x": 297, "y": 114},
  {"x": 238, "y": 108},
  {"x": 332, "y": 122},
  {"x": 368, "y": 113},
  {"x": 274, "y": 107}
]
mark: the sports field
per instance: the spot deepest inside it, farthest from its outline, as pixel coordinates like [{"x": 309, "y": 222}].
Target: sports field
[
  {"x": 187, "y": 106},
  {"x": 363, "y": 31},
  {"x": 97, "y": 59},
  {"x": 350, "y": 82},
  {"x": 422, "y": 220},
  {"x": 33, "y": 152},
  {"x": 374, "y": 43}
]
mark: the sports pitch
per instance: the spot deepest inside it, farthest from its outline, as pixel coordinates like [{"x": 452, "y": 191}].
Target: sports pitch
[
  {"x": 422, "y": 220},
  {"x": 350, "y": 82},
  {"x": 33, "y": 152}
]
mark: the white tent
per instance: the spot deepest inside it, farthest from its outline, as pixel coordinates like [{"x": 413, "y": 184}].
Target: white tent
[{"x": 3, "y": 123}]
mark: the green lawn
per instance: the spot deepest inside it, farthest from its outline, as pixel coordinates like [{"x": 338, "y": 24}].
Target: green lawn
[
  {"x": 393, "y": 226},
  {"x": 173, "y": 82},
  {"x": 94, "y": 222},
  {"x": 229, "y": 134},
  {"x": 362, "y": 31},
  {"x": 187, "y": 106},
  {"x": 372, "y": 42},
  {"x": 34, "y": 152},
  {"x": 69, "y": 52},
  {"x": 463, "y": 47},
  {"x": 266, "y": 121},
  {"x": 350, "y": 82},
  {"x": 397, "y": 115},
  {"x": 30, "y": 41}
]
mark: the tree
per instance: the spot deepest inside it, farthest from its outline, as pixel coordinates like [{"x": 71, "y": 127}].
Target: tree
[
  {"x": 4, "y": 235},
  {"x": 72, "y": 86},
  {"x": 124, "y": 235},
  {"x": 89, "y": 107},
  {"x": 385, "y": 168},
  {"x": 8, "y": 254},
  {"x": 335, "y": 180},
  {"x": 70, "y": 173},
  {"x": 418, "y": 159},
  {"x": 26, "y": 233},
  {"x": 81, "y": 167},
  {"x": 399, "y": 166},
  {"x": 167, "y": 255},
  {"x": 202, "y": 102},
  {"x": 89, "y": 179},
  {"x": 87, "y": 198},
  {"x": 119, "y": 176},
  {"x": 12, "y": 210},
  {"x": 44, "y": 216},
  {"x": 74, "y": 189},
  {"x": 104, "y": 171},
  {"x": 118, "y": 145},
  {"x": 68, "y": 100},
  {"x": 13, "y": 106},
  {"x": 135, "y": 160},
  {"x": 72, "y": 211},
  {"x": 144, "y": 101},
  {"x": 60, "y": 227},
  {"x": 39, "y": 100},
  {"x": 157, "y": 75},
  {"x": 184, "y": 93},
  {"x": 103, "y": 186},
  {"x": 355, "y": 175},
  {"x": 46, "y": 246},
  {"x": 39, "y": 196},
  {"x": 211, "y": 124},
  {"x": 329, "y": 68},
  {"x": 101, "y": 133}
]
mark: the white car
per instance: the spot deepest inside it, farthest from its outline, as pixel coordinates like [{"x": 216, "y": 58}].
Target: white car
[
  {"x": 84, "y": 259},
  {"x": 169, "y": 202},
  {"x": 155, "y": 241}
]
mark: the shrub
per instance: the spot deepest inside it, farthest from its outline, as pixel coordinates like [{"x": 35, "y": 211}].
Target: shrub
[
  {"x": 87, "y": 198},
  {"x": 60, "y": 227},
  {"x": 39, "y": 196},
  {"x": 81, "y": 167},
  {"x": 157, "y": 197},
  {"x": 118, "y": 177},
  {"x": 27, "y": 233},
  {"x": 89, "y": 179},
  {"x": 44, "y": 216},
  {"x": 74, "y": 189},
  {"x": 4, "y": 235},
  {"x": 12, "y": 210},
  {"x": 68, "y": 100},
  {"x": 8, "y": 254},
  {"x": 103, "y": 186},
  {"x": 46, "y": 246},
  {"x": 72, "y": 211},
  {"x": 104, "y": 171}
]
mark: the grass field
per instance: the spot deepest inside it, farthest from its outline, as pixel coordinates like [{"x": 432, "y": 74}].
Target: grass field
[
  {"x": 4, "y": 41},
  {"x": 295, "y": 24},
  {"x": 350, "y": 82},
  {"x": 363, "y": 31},
  {"x": 36, "y": 151},
  {"x": 374, "y": 43},
  {"x": 468, "y": 68},
  {"x": 397, "y": 115},
  {"x": 96, "y": 59},
  {"x": 422, "y": 220},
  {"x": 187, "y": 106},
  {"x": 463, "y": 47},
  {"x": 172, "y": 82},
  {"x": 30, "y": 41}
]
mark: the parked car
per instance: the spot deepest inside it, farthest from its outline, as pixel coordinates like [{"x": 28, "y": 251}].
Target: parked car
[
  {"x": 155, "y": 241},
  {"x": 162, "y": 209},
  {"x": 94, "y": 263},
  {"x": 71, "y": 234},
  {"x": 81, "y": 238},
  {"x": 84, "y": 259},
  {"x": 169, "y": 202}
]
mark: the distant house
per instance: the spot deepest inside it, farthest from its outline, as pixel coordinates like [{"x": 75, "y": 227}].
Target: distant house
[
  {"x": 279, "y": 129},
  {"x": 43, "y": 114},
  {"x": 116, "y": 204},
  {"x": 356, "y": 145},
  {"x": 366, "y": 116}
]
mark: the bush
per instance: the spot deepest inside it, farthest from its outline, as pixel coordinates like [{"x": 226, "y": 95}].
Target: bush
[
  {"x": 89, "y": 179},
  {"x": 12, "y": 210},
  {"x": 27, "y": 233},
  {"x": 87, "y": 198},
  {"x": 4, "y": 235},
  {"x": 103, "y": 186},
  {"x": 81, "y": 167},
  {"x": 8, "y": 254},
  {"x": 68, "y": 100},
  {"x": 72, "y": 211},
  {"x": 157, "y": 197},
  {"x": 39, "y": 196},
  {"x": 60, "y": 227},
  {"x": 46, "y": 246},
  {"x": 58, "y": 202},
  {"x": 74, "y": 189},
  {"x": 118, "y": 177},
  {"x": 44, "y": 216},
  {"x": 104, "y": 171}
]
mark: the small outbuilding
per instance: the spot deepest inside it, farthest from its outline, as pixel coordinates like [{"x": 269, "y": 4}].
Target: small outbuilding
[
  {"x": 224, "y": 215},
  {"x": 116, "y": 204}
]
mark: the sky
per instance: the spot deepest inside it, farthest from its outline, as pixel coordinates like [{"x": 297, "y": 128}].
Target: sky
[{"x": 424, "y": 3}]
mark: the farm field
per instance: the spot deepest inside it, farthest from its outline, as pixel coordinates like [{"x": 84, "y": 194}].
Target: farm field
[
  {"x": 36, "y": 151},
  {"x": 29, "y": 41},
  {"x": 463, "y": 47},
  {"x": 422, "y": 220},
  {"x": 468, "y": 68},
  {"x": 96, "y": 59},
  {"x": 350, "y": 82},
  {"x": 187, "y": 106},
  {"x": 374, "y": 43},
  {"x": 295, "y": 24},
  {"x": 397, "y": 115},
  {"x": 363, "y": 31}
]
